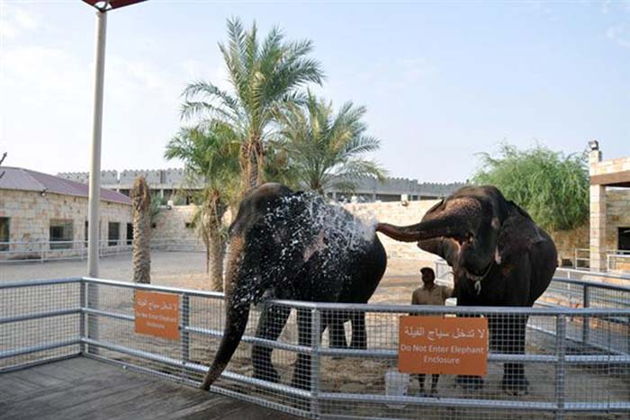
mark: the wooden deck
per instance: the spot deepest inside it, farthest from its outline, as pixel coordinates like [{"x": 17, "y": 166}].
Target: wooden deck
[{"x": 82, "y": 388}]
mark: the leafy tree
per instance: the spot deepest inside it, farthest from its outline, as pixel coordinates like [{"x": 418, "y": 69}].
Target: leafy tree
[
  {"x": 141, "y": 251},
  {"x": 324, "y": 148},
  {"x": 265, "y": 76},
  {"x": 210, "y": 155},
  {"x": 551, "y": 186}
]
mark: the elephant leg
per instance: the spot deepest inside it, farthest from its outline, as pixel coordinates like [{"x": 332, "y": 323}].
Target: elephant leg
[
  {"x": 302, "y": 373},
  {"x": 272, "y": 321},
  {"x": 513, "y": 342},
  {"x": 359, "y": 333},
  {"x": 336, "y": 330},
  {"x": 469, "y": 382}
]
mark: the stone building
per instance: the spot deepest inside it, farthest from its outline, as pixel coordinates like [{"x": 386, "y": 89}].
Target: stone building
[
  {"x": 165, "y": 182},
  {"x": 41, "y": 213},
  {"x": 609, "y": 211}
]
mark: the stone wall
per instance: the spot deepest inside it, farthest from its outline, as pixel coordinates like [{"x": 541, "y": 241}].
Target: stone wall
[
  {"x": 397, "y": 214},
  {"x": 171, "y": 225},
  {"x": 30, "y": 215}
]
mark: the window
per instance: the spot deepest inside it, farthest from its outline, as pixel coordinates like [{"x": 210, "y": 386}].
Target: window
[
  {"x": 113, "y": 233},
  {"x": 623, "y": 243},
  {"x": 61, "y": 232},
  {"x": 129, "y": 233},
  {"x": 4, "y": 234}
]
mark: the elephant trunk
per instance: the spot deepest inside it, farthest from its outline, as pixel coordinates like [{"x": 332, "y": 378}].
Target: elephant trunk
[
  {"x": 235, "y": 322},
  {"x": 449, "y": 226},
  {"x": 237, "y": 303}
]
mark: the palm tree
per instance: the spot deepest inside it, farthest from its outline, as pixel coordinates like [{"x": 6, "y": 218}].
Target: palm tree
[
  {"x": 210, "y": 155},
  {"x": 264, "y": 77},
  {"x": 141, "y": 253},
  {"x": 324, "y": 148}
]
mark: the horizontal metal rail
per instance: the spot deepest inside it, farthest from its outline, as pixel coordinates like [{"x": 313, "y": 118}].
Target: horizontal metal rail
[
  {"x": 34, "y": 283},
  {"x": 165, "y": 289},
  {"x": 38, "y": 348},
  {"x": 39, "y": 315}
]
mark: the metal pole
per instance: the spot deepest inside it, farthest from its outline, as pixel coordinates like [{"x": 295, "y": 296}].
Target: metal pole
[
  {"x": 95, "y": 165},
  {"x": 560, "y": 377},
  {"x": 315, "y": 361},
  {"x": 95, "y": 176}
]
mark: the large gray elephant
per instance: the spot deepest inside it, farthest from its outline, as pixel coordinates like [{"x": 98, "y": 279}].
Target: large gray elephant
[
  {"x": 499, "y": 256},
  {"x": 293, "y": 245}
]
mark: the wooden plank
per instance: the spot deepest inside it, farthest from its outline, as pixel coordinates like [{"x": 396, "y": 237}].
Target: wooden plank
[{"x": 84, "y": 388}]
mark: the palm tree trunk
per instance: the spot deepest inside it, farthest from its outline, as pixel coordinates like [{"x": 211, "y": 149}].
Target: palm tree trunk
[
  {"x": 141, "y": 253},
  {"x": 252, "y": 162},
  {"x": 216, "y": 248}
]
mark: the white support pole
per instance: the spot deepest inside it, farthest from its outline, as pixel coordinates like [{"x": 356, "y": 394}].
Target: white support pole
[{"x": 95, "y": 165}]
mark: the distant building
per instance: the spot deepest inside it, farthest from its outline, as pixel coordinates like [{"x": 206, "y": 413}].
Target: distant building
[
  {"x": 165, "y": 182},
  {"x": 41, "y": 213}
]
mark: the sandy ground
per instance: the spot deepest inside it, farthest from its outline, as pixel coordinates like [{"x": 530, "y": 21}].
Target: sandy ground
[{"x": 592, "y": 383}]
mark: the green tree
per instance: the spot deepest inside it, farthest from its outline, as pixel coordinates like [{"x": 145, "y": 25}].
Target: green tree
[
  {"x": 264, "y": 76},
  {"x": 324, "y": 148},
  {"x": 551, "y": 186},
  {"x": 210, "y": 155}
]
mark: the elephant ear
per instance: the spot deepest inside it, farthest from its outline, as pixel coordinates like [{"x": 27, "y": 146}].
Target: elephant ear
[
  {"x": 446, "y": 248},
  {"x": 517, "y": 235}
]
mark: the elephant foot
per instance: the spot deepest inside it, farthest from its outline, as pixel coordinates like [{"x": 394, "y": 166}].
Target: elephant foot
[
  {"x": 302, "y": 373},
  {"x": 515, "y": 385},
  {"x": 268, "y": 374},
  {"x": 469, "y": 383},
  {"x": 358, "y": 344},
  {"x": 301, "y": 382}
]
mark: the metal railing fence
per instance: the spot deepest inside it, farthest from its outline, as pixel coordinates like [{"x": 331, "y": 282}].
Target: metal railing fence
[
  {"x": 577, "y": 359},
  {"x": 42, "y": 251}
]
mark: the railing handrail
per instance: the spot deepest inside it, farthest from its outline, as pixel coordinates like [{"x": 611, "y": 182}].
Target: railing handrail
[
  {"x": 365, "y": 307},
  {"x": 371, "y": 307},
  {"x": 571, "y": 270}
]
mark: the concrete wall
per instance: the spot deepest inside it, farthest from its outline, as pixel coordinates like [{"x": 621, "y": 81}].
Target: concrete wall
[
  {"x": 30, "y": 215},
  {"x": 171, "y": 225}
]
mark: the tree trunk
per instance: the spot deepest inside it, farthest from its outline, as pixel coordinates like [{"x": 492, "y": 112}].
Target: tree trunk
[
  {"x": 213, "y": 238},
  {"x": 216, "y": 248},
  {"x": 141, "y": 253},
  {"x": 252, "y": 162}
]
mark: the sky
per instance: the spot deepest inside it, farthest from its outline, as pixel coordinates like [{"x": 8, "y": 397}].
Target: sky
[{"x": 442, "y": 81}]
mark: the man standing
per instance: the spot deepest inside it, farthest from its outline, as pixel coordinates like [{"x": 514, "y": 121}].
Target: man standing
[{"x": 430, "y": 294}]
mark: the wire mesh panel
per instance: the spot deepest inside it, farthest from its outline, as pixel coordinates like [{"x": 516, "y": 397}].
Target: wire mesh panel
[
  {"x": 39, "y": 322},
  {"x": 335, "y": 360}
]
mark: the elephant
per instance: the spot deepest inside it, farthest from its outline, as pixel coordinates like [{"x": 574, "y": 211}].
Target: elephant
[
  {"x": 293, "y": 245},
  {"x": 499, "y": 257}
]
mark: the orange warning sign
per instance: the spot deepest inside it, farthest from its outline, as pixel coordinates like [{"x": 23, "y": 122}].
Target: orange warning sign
[
  {"x": 157, "y": 314},
  {"x": 431, "y": 344}
]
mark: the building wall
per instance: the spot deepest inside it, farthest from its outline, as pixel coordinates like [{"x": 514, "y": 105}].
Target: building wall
[
  {"x": 30, "y": 215},
  {"x": 170, "y": 225}
]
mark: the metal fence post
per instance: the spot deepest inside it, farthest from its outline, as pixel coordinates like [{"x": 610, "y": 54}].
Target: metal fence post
[
  {"x": 184, "y": 335},
  {"x": 82, "y": 317},
  {"x": 92, "y": 320},
  {"x": 315, "y": 361},
  {"x": 561, "y": 343},
  {"x": 586, "y": 303}
]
